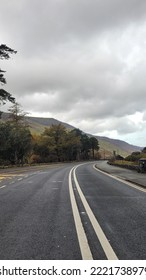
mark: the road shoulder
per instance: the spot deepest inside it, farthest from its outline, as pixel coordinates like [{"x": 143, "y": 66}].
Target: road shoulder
[{"x": 122, "y": 173}]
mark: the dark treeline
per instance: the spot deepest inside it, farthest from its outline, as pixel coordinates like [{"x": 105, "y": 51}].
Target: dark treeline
[{"x": 55, "y": 144}]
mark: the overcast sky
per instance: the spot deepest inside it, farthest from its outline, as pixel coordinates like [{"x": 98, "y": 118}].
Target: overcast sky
[{"x": 79, "y": 61}]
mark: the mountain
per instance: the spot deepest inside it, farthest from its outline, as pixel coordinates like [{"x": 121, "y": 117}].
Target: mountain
[
  {"x": 107, "y": 145},
  {"x": 37, "y": 125}
]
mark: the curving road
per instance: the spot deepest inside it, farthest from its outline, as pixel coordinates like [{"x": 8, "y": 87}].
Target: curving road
[{"x": 70, "y": 212}]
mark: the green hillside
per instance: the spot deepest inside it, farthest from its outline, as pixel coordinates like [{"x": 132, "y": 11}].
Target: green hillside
[{"x": 107, "y": 145}]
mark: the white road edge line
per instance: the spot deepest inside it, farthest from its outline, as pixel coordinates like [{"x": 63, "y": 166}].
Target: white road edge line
[
  {"x": 98, "y": 230},
  {"x": 2, "y": 187},
  {"x": 121, "y": 180},
  {"x": 83, "y": 242}
]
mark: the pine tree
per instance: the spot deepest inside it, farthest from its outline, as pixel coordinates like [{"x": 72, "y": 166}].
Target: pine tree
[{"x": 4, "y": 95}]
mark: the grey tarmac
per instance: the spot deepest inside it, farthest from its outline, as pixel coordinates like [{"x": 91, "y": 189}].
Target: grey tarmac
[{"x": 38, "y": 219}]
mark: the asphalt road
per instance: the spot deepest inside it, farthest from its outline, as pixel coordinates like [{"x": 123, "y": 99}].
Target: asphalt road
[
  {"x": 123, "y": 173},
  {"x": 70, "y": 212}
]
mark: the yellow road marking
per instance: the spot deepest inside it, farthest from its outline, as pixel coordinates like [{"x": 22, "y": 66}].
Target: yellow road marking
[
  {"x": 9, "y": 176},
  {"x": 5, "y": 177}
]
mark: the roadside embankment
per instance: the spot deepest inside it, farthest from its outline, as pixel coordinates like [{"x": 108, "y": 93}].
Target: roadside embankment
[
  {"x": 124, "y": 164},
  {"x": 123, "y": 173}
]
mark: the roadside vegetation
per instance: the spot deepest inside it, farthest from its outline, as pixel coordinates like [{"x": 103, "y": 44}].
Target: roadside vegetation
[
  {"x": 56, "y": 144},
  {"x": 131, "y": 161}
]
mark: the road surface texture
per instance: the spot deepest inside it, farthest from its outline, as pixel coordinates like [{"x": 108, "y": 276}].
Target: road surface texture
[
  {"x": 126, "y": 174},
  {"x": 70, "y": 212}
]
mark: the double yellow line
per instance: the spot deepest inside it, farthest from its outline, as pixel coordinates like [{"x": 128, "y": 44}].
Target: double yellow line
[{"x": 83, "y": 242}]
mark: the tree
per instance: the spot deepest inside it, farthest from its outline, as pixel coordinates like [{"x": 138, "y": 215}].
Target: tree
[
  {"x": 85, "y": 146},
  {"x": 56, "y": 140},
  {"x": 56, "y": 143},
  {"x": 135, "y": 156},
  {"x": 20, "y": 137},
  {"x": 5, "y": 54},
  {"x": 94, "y": 145},
  {"x": 41, "y": 152},
  {"x": 5, "y": 131},
  {"x": 71, "y": 146},
  {"x": 15, "y": 144},
  {"x": 20, "y": 140},
  {"x": 17, "y": 115},
  {"x": 144, "y": 150}
]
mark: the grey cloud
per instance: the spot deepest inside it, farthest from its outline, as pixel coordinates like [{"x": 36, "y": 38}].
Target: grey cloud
[
  {"x": 81, "y": 60},
  {"x": 122, "y": 126},
  {"x": 43, "y": 24}
]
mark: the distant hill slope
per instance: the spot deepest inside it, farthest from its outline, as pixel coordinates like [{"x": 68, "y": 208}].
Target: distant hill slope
[
  {"x": 37, "y": 125},
  {"x": 107, "y": 145},
  {"x": 120, "y": 147}
]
